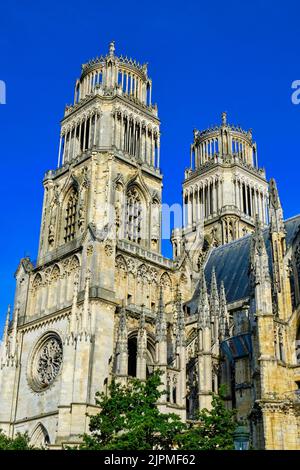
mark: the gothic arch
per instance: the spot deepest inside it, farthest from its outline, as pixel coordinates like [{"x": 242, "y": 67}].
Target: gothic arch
[
  {"x": 135, "y": 215},
  {"x": 37, "y": 281},
  {"x": 132, "y": 351},
  {"x": 40, "y": 436},
  {"x": 166, "y": 284},
  {"x": 74, "y": 263},
  {"x": 69, "y": 212},
  {"x": 55, "y": 273},
  {"x": 121, "y": 264},
  {"x": 138, "y": 181}
]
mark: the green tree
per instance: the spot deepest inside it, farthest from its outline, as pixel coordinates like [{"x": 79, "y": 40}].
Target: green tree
[
  {"x": 213, "y": 429},
  {"x": 20, "y": 442},
  {"x": 130, "y": 419}
]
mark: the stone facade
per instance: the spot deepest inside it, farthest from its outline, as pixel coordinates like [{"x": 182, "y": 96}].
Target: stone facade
[{"x": 103, "y": 303}]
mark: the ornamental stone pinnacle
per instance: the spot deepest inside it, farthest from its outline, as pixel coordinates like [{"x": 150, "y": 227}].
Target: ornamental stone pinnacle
[{"x": 112, "y": 48}]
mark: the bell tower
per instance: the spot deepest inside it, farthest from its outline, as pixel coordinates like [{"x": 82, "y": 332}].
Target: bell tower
[
  {"x": 224, "y": 188},
  {"x": 112, "y": 133}
]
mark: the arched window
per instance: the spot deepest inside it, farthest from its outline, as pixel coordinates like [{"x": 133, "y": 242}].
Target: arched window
[
  {"x": 40, "y": 436},
  {"x": 132, "y": 351},
  {"x": 133, "y": 215},
  {"x": 71, "y": 215}
]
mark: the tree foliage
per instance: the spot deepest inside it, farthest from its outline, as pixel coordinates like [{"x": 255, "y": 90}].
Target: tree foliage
[
  {"x": 213, "y": 429},
  {"x": 130, "y": 419},
  {"x": 20, "y": 442}
]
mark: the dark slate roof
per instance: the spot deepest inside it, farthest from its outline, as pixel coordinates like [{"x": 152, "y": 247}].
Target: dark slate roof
[{"x": 231, "y": 262}]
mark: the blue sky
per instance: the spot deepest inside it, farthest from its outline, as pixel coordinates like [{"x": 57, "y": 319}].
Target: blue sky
[{"x": 204, "y": 58}]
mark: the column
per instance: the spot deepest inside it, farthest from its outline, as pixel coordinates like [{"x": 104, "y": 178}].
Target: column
[
  {"x": 250, "y": 200},
  {"x": 131, "y": 83},
  {"x": 191, "y": 156},
  {"x": 246, "y": 198},
  {"x": 158, "y": 152},
  {"x": 121, "y": 135},
  {"x": 189, "y": 209},
  {"x": 240, "y": 196},
  {"x": 235, "y": 191},
  {"x": 208, "y": 199},
  {"x": 59, "y": 151}
]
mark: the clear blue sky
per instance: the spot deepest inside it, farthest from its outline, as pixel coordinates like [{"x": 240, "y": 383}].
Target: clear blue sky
[{"x": 204, "y": 57}]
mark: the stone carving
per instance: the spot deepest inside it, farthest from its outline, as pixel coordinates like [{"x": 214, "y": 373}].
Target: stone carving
[
  {"x": 81, "y": 217},
  {"x": 47, "y": 362},
  {"x": 89, "y": 250},
  {"x": 131, "y": 266},
  {"x": 108, "y": 249},
  {"x": 121, "y": 264},
  {"x": 51, "y": 234}
]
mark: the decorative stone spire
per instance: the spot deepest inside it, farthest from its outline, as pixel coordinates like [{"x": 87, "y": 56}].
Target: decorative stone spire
[
  {"x": 203, "y": 305},
  {"x": 276, "y": 213},
  {"x": 6, "y": 326},
  {"x": 259, "y": 262},
  {"x": 4, "y": 349},
  {"x": 112, "y": 48},
  {"x": 224, "y": 315},
  {"x": 122, "y": 345},
  {"x": 86, "y": 308},
  {"x": 73, "y": 319},
  {"x": 214, "y": 295},
  {"x": 13, "y": 342},
  {"x": 122, "y": 340},
  {"x": 160, "y": 324},
  {"x": 142, "y": 347},
  {"x": 180, "y": 333},
  {"x": 224, "y": 118},
  {"x": 214, "y": 305}
]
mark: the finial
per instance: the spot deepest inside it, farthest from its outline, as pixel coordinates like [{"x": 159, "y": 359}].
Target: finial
[
  {"x": 274, "y": 198},
  {"x": 112, "y": 48},
  {"x": 224, "y": 118},
  {"x": 142, "y": 317},
  {"x": 8, "y": 313}
]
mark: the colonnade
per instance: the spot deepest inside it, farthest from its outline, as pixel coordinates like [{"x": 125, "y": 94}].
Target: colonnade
[
  {"x": 202, "y": 200},
  {"x": 251, "y": 200},
  {"x": 205, "y": 199},
  {"x": 131, "y": 83},
  {"x": 137, "y": 139},
  {"x": 79, "y": 136},
  {"x": 204, "y": 150}
]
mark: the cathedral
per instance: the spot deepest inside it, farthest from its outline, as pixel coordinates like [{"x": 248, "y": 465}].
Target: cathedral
[{"x": 102, "y": 302}]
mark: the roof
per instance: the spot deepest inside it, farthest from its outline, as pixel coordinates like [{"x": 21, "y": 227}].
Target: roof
[{"x": 231, "y": 263}]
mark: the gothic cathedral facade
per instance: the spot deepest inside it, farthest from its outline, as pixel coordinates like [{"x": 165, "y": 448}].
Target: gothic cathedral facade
[{"x": 102, "y": 302}]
